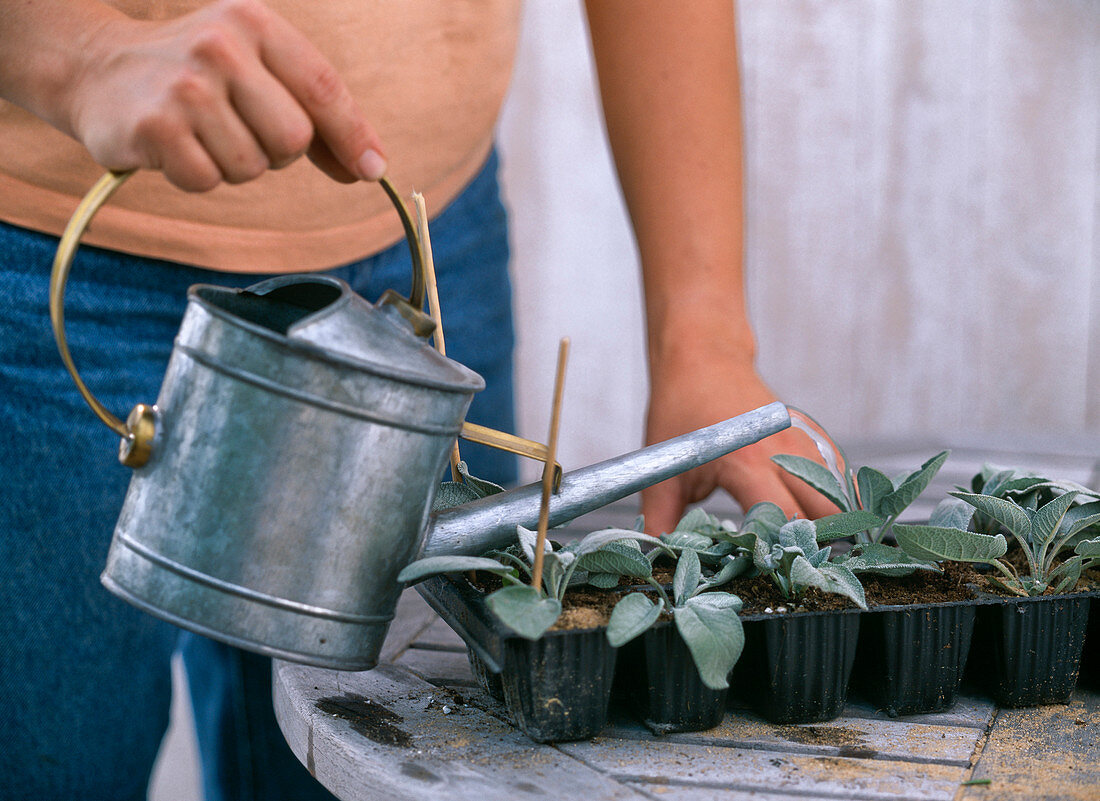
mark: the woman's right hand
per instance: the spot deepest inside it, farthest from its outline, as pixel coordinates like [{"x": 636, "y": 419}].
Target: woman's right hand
[{"x": 221, "y": 94}]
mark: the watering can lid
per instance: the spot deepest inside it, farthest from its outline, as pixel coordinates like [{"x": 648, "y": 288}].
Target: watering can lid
[{"x": 325, "y": 314}]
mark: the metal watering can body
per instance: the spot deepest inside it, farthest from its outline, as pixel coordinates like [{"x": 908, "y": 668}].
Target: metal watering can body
[
  {"x": 285, "y": 476},
  {"x": 288, "y": 478}
]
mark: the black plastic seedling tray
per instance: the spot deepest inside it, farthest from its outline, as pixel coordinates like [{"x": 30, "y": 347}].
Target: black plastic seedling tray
[
  {"x": 795, "y": 668},
  {"x": 1027, "y": 651},
  {"x": 657, "y": 679},
  {"x": 556, "y": 688},
  {"x": 911, "y": 657},
  {"x": 796, "y": 665},
  {"x": 1090, "y": 659}
]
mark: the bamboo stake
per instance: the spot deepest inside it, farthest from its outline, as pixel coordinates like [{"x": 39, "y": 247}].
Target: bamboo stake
[
  {"x": 433, "y": 301},
  {"x": 548, "y": 466}
]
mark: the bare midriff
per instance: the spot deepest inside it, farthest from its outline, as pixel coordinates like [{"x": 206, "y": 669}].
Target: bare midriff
[{"x": 431, "y": 77}]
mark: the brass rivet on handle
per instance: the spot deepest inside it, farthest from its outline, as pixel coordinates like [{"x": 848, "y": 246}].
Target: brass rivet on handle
[{"x": 136, "y": 447}]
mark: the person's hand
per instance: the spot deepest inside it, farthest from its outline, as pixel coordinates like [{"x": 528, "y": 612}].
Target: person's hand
[
  {"x": 221, "y": 94},
  {"x": 699, "y": 389}
]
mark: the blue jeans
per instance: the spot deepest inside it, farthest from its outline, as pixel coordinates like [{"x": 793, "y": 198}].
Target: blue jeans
[{"x": 84, "y": 678}]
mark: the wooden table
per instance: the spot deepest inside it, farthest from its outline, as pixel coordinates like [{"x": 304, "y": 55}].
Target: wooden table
[{"x": 418, "y": 727}]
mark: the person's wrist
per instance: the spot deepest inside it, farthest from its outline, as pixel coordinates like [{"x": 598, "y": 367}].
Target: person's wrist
[
  {"x": 100, "y": 40},
  {"x": 57, "y": 68},
  {"x": 696, "y": 342}
]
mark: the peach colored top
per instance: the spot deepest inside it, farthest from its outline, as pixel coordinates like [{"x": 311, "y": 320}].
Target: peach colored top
[{"x": 431, "y": 76}]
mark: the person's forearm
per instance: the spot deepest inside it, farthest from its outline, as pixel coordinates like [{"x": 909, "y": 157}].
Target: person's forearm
[
  {"x": 41, "y": 42},
  {"x": 669, "y": 81},
  {"x": 671, "y": 97}
]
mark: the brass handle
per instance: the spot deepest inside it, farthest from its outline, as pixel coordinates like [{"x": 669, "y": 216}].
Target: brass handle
[
  {"x": 416, "y": 247},
  {"x": 140, "y": 427}
]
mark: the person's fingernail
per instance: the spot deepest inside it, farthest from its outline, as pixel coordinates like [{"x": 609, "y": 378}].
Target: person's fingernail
[{"x": 371, "y": 165}]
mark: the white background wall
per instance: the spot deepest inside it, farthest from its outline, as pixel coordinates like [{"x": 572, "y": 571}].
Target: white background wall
[{"x": 922, "y": 222}]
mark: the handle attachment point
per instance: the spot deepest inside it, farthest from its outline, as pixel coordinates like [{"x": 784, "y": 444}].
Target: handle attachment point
[{"x": 135, "y": 448}]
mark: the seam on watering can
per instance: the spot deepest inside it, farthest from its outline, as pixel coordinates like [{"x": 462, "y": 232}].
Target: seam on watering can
[
  {"x": 313, "y": 400},
  {"x": 244, "y": 592},
  {"x": 302, "y": 657},
  {"x": 470, "y": 380}
]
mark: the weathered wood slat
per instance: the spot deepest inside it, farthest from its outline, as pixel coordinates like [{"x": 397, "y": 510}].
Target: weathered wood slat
[
  {"x": 438, "y": 667},
  {"x": 674, "y": 792},
  {"x": 411, "y": 618},
  {"x": 374, "y": 735},
  {"x": 847, "y": 737},
  {"x": 662, "y": 761},
  {"x": 439, "y": 635},
  {"x": 1048, "y": 753},
  {"x": 969, "y": 711}
]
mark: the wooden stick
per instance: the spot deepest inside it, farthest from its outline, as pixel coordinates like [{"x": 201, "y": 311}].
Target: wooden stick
[
  {"x": 433, "y": 300},
  {"x": 551, "y": 459}
]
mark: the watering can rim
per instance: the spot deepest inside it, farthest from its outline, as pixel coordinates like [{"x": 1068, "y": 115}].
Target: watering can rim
[{"x": 467, "y": 380}]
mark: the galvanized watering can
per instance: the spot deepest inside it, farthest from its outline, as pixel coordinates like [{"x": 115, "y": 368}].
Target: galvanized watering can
[{"x": 286, "y": 474}]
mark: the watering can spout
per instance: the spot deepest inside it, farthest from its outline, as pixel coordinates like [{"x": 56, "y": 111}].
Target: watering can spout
[{"x": 481, "y": 525}]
